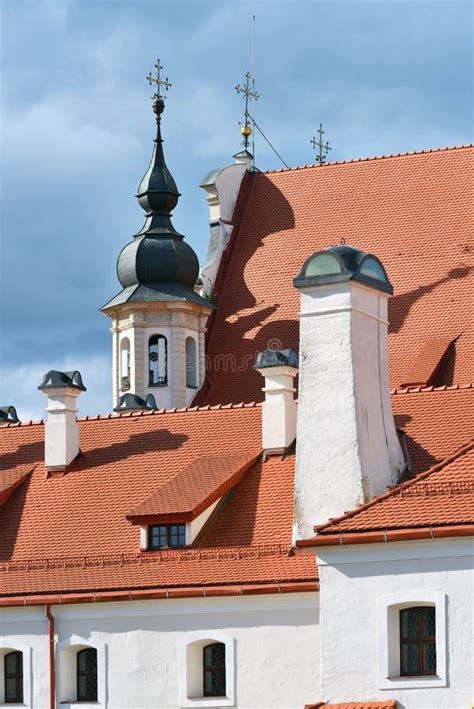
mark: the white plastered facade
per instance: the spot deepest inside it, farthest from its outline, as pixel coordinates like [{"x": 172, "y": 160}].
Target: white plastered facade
[
  {"x": 363, "y": 588},
  {"x": 274, "y": 642}
]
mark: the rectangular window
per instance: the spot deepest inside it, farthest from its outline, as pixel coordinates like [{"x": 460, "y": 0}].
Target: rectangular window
[
  {"x": 166, "y": 535},
  {"x": 418, "y": 641}
]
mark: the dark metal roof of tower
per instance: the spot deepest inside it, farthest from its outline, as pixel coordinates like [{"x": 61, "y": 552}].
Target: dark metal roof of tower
[{"x": 157, "y": 265}]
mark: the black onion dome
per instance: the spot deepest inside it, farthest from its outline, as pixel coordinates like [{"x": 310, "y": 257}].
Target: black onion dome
[{"x": 158, "y": 253}]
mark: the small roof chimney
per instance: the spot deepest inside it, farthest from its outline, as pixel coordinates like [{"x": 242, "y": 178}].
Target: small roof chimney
[
  {"x": 133, "y": 402},
  {"x": 62, "y": 429},
  {"x": 8, "y": 415},
  {"x": 279, "y": 367}
]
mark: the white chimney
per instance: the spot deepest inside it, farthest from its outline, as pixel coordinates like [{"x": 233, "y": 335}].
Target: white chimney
[
  {"x": 347, "y": 447},
  {"x": 222, "y": 186},
  {"x": 62, "y": 429},
  {"x": 279, "y": 367}
]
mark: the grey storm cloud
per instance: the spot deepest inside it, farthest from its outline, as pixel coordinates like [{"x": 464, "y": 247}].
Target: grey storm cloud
[{"x": 77, "y": 129}]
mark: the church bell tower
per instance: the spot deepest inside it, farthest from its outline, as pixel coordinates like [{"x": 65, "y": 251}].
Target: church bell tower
[{"x": 158, "y": 319}]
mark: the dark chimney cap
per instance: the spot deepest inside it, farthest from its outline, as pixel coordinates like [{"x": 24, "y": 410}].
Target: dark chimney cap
[
  {"x": 62, "y": 380},
  {"x": 343, "y": 263},
  {"x": 8, "y": 415},
  {"x": 132, "y": 402},
  {"x": 277, "y": 358}
]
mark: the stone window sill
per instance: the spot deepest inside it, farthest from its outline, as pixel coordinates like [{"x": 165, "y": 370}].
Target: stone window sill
[{"x": 414, "y": 682}]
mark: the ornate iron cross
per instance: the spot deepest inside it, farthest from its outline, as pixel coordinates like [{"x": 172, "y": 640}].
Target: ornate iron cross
[
  {"x": 248, "y": 93},
  {"x": 158, "y": 81},
  {"x": 324, "y": 148}
]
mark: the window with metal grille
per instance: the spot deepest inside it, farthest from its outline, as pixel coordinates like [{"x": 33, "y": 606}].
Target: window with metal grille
[
  {"x": 13, "y": 670},
  {"x": 166, "y": 535},
  {"x": 418, "y": 641},
  {"x": 87, "y": 675},
  {"x": 214, "y": 670},
  {"x": 157, "y": 361}
]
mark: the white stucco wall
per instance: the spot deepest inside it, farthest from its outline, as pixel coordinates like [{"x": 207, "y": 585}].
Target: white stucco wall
[
  {"x": 355, "y": 584},
  {"x": 347, "y": 449},
  {"x": 275, "y": 641}
]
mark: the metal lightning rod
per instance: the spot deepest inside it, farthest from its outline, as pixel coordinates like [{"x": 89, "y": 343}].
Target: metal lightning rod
[{"x": 253, "y": 83}]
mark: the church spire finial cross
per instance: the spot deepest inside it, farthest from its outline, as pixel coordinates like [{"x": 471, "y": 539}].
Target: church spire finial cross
[
  {"x": 323, "y": 148},
  {"x": 248, "y": 93},
  {"x": 158, "y": 81}
]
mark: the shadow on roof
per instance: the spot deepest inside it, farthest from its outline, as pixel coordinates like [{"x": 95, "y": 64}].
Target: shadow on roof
[
  {"x": 400, "y": 305},
  {"x": 28, "y": 453},
  {"x": 420, "y": 458},
  {"x": 13, "y": 513},
  {"x": 138, "y": 444}
]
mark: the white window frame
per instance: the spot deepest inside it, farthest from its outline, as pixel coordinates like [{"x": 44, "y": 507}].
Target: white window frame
[
  {"x": 66, "y": 652},
  {"x": 389, "y": 608},
  {"x": 27, "y": 680},
  {"x": 190, "y": 659}
]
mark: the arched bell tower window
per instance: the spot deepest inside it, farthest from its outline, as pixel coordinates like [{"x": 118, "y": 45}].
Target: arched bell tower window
[
  {"x": 191, "y": 363},
  {"x": 125, "y": 364},
  {"x": 157, "y": 361}
]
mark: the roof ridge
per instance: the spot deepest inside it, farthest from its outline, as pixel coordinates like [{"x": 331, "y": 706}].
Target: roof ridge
[
  {"x": 397, "y": 489},
  {"x": 371, "y": 158},
  {"x": 227, "y": 407},
  {"x": 183, "y": 410},
  {"x": 424, "y": 389},
  {"x": 155, "y": 557},
  {"x": 133, "y": 414}
]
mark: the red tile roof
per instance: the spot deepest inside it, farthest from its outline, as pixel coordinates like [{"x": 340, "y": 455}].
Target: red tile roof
[
  {"x": 428, "y": 362},
  {"x": 197, "y": 486},
  {"x": 414, "y": 212},
  {"x": 71, "y": 534},
  {"x": 11, "y": 479},
  {"x": 440, "y": 497},
  {"x": 382, "y": 704},
  {"x": 436, "y": 422}
]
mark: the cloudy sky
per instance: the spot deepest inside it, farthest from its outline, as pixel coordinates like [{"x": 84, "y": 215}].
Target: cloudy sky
[{"x": 383, "y": 76}]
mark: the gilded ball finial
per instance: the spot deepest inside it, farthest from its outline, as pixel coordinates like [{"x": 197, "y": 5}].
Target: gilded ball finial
[
  {"x": 246, "y": 131},
  {"x": 158, "y": 105}
]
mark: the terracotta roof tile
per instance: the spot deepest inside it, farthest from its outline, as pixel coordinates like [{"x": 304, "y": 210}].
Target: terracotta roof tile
[
  {"x": 47, "y": 522},
  {"x": 154, "y": 570},
  {"x": 428, "y": 362},
  {"x": 441, "y": 496},
  {"x": 197, "y": 486},
  {"x": 382, "y": 704},
  {"x": 414, "y": 212},
  {"x": 436, "y": 422}
]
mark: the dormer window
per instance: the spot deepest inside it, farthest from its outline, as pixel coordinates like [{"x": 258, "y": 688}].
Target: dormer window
[
  {"x": 157, "y": 361},
  {"x": 163, "y": 536}
]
